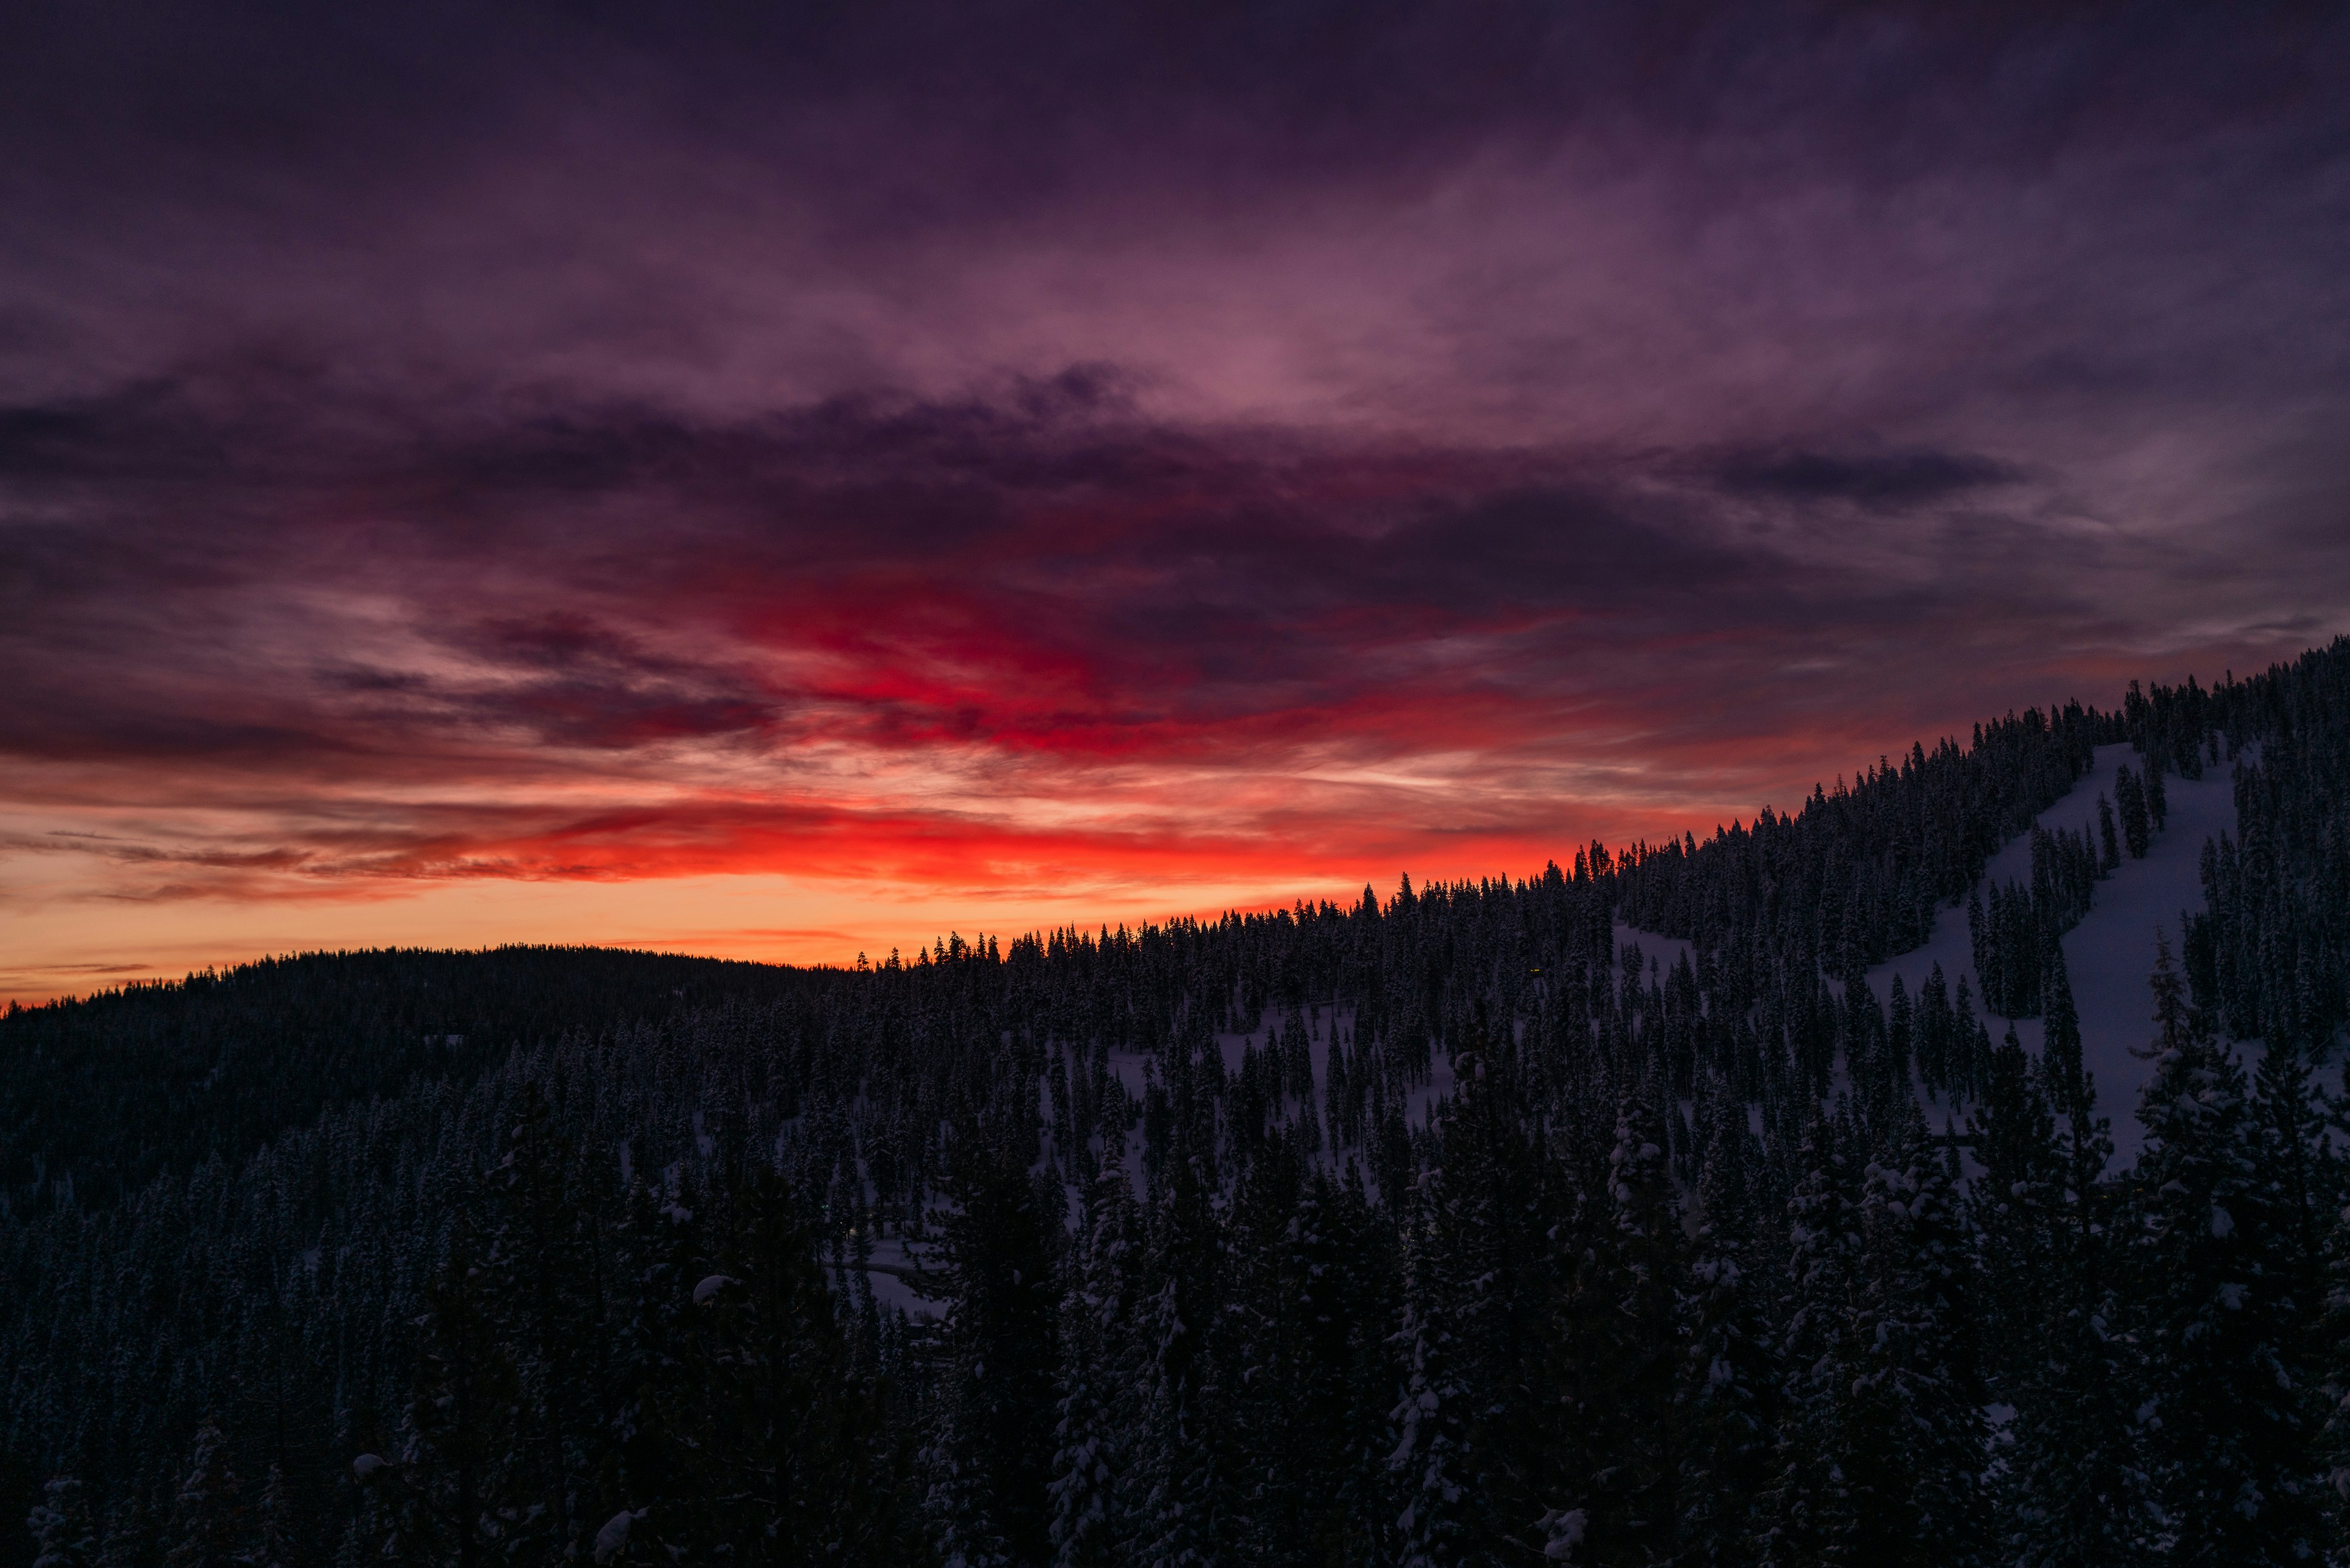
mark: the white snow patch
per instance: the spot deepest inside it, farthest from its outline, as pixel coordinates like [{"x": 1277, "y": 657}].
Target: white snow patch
[
  {"x": 898, "y": 1274},
  {"x": 1666, "y": 951},
  {"x": 2108, "y": 956},
  {"x": 2110, "y": 953},
  {"x": 613, "y": 1538},
  {"x": 1130, "y": 1068}
]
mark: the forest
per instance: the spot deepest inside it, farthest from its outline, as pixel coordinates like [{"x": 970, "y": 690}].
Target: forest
[{"x": 1447, "y": 1227}]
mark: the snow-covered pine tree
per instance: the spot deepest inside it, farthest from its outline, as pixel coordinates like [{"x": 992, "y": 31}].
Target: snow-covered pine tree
[
  {"x": 796, "y": 1471},
  {"x": 1731, "y": 1379},
  {"x": 657, "y": 1261},
  {"x": 2129, "y": 795},
  {"x": 132, "y": 1533},
  {"x": 1629, "y": 1331},
  {"x": 1900, "y": 1041},
  {"x": 438, "y": 1505},
  {"x": 2229, "y": 1401},
  {"x": 2085, "y": 1140},
  {"x": 1278, "y": 1450},
  {"x": 2306, "y": 1180},
  {"x": 63, "y": 1535},
  {"x": 2333, "y": 1359},
  {"x": 1807, "y": 1508},
  {"x": 1099, "y": 1366},
  {"x": 547, "y": 1297},
  {"x": 2014, "y": 1203},
  {"x": 2072, "y": 1479},
  {"x": 1182, "y": 1505},
  {"x": 276, "y": 1537},
  {"x": 1337, "y": 1262},
  {"x": 1432, "y": 1419},
  {"x": 1362, "y": 1246},
  {"x": 2298, "y": 1162},
  {"x": 994, "y": 1457},
  {"x": 1932, "y": 1030},
  {"x": 1491, "y": 1199},
  {"x": 1912, "y": 1430}
]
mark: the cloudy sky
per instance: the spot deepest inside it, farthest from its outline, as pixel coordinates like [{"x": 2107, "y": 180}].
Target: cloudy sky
[{"x": 789, "y": 481}]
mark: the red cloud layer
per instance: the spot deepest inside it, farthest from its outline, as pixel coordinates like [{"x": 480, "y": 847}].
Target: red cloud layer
[{"x": 978, "y": 654}]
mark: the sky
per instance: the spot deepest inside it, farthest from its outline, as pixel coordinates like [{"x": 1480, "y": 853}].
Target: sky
[{"x": 793, "y": 482}]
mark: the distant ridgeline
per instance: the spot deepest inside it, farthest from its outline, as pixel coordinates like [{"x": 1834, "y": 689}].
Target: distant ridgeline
[{"x": 1431, "y": 1230}]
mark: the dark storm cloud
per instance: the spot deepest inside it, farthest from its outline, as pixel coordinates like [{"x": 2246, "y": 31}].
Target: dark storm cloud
[
  {"x": 1888, "y": 480},
  {"x": 1053, "y": 573},
  {"x": 586, "y": 684},
  {"x": 136, "y": 432}
]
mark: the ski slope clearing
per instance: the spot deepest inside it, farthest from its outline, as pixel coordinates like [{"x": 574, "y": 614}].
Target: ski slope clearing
[{"x": 2109, "y": 954}]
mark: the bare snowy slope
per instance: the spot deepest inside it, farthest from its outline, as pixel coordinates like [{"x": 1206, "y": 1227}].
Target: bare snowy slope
[{"x": 2109, "y": 954}]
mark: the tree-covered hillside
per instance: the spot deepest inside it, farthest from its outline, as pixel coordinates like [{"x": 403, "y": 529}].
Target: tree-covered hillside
[{"x": 1441, "y": 1228}]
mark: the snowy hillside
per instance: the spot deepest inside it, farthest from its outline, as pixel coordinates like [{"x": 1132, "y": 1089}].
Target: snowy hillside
[
  {"x": 2110, "y": 952},
  {"x": 1286, "y": 1207}
]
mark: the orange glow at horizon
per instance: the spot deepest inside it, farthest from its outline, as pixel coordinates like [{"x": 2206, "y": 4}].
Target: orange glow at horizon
[
  {"x": 727, "y": 879},
  {"x": 853, "y": 690}
]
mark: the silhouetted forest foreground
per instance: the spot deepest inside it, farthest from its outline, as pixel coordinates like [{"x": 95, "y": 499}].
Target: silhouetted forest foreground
[{"x": 1443, "y": 1229}]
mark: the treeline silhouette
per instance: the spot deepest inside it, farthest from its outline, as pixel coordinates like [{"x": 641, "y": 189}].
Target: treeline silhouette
[{"x": 1450, "y": 1227}]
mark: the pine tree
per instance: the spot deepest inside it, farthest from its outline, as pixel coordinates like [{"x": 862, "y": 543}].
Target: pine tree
[
  {"x": 251, "y": 1194},
  {"x": 438, "y": 1505},
  {"x": 544, "y": 1294},
  {"x": 1489, "y": 1195},
  {"x": 2333, "y": 1351},
  {"x": 63, "y": 1535},
  {"x": 1432, "y": 1420},
  {"x": 2232, "y": 1471},
  {"x": 1342, "y": 1265},
  {"x": 2014, "y": 1208},
  {"x": 994, "y": 1458},
  {"x": 1932, "y": 1029},
  {"x": 1183, "y": 1504},
  {"x": 207, "y": 1524},
  {"x": 1630, "y": 1447},
  {"x": 131, "y": 1535},
  {"x": 2304, "y": 1178},
  {"x": 1272, "y": 1335},
  {"x": 276, "y": 1533},
  {"x": 660, "y": 1261},
  {"x": 1808, "y": 1508},
  {"x": 2129, "y": 795},
  {"x": 1901, "y": 1047},
  {"x": 1970, "y": 1043},
  {"x": 1913, "y": 1430},
  {"x": 793, "y": 1469},
  {"x": 2073, "y": 1481},
  {"x": 1098, "y": 1367},
  {"x": 1728, "y": 1395}
]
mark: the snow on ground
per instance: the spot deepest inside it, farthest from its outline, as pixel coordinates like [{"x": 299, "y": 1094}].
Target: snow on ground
[
  {"x": 895, "y": 1271},
  {"x": 2109, "y": 954},
  {"x": 1420, "y": 1101},
  {"x": 1132, "y": 1070},
  {"x": 1665, "y": 951}
]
